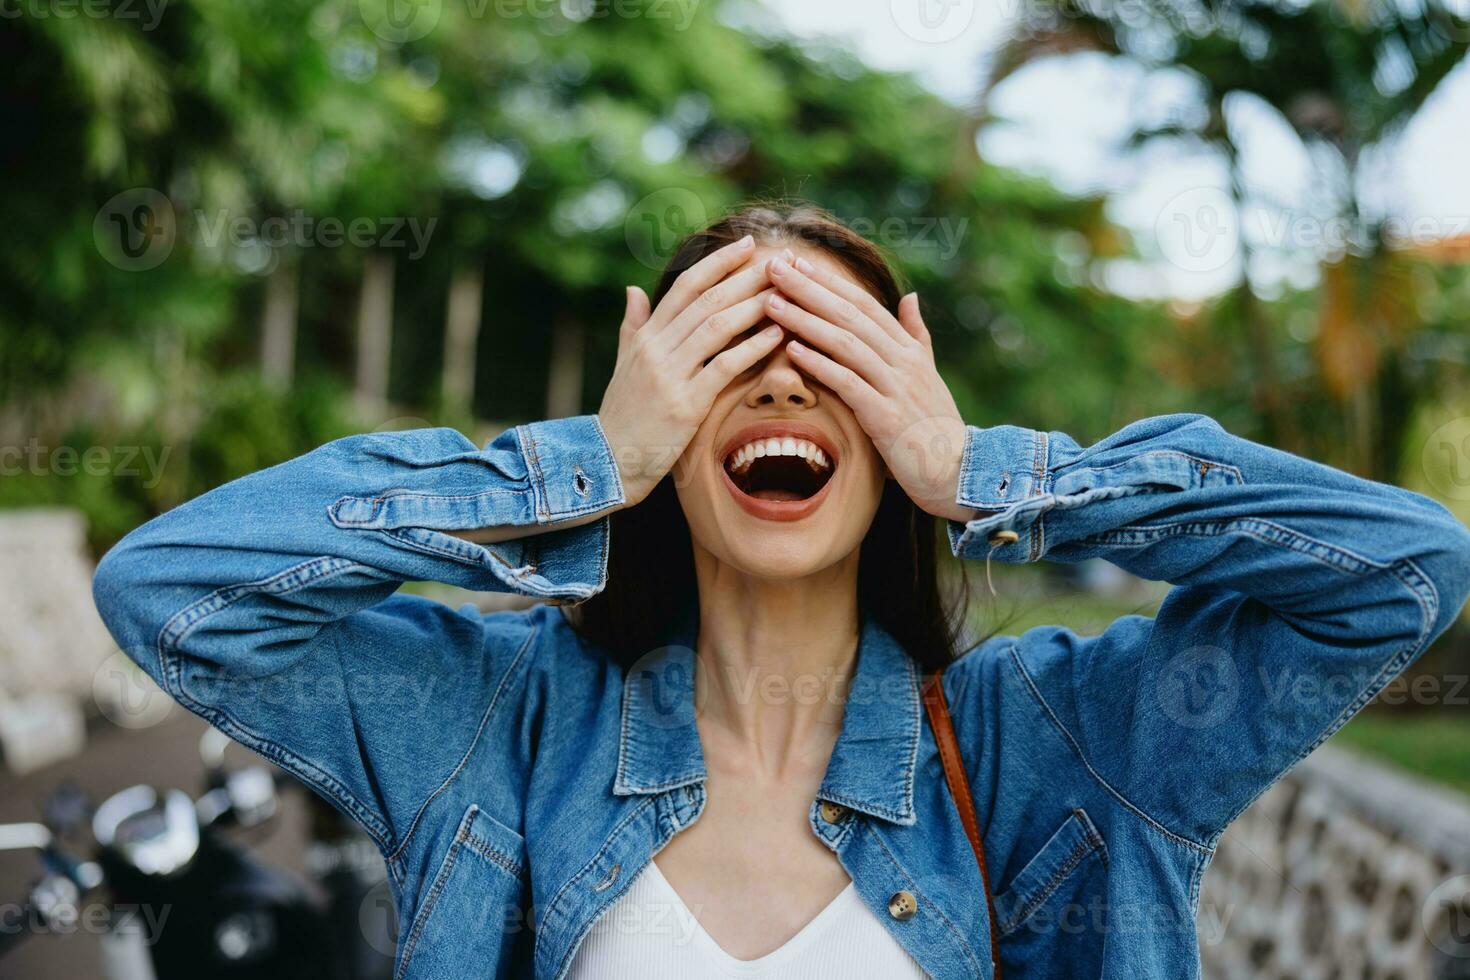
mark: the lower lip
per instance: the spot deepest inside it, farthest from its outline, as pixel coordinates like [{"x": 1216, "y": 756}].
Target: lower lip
[{"x": 777, "y": 510}]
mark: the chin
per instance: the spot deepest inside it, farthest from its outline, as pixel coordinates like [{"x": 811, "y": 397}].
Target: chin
[{"x": 780, "y": 555}]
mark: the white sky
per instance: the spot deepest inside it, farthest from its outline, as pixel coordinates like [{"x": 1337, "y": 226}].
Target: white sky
[{"x": 1066, "y": 120}]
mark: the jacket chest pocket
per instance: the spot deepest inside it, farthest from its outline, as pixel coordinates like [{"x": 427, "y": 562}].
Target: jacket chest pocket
[
  {"x": 1052, "y": 900},
  {"x": 471, "y": 916}
]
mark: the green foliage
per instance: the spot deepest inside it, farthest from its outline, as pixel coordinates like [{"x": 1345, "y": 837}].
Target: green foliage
[
  {"x": 563, "y": 156},
  {"x": 1433, "y": 745}
]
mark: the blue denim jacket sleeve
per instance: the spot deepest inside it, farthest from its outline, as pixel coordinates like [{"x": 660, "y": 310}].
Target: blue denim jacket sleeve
[
  {"x": 266, "y": 605},
  {"x": 1299, "y": 592}
]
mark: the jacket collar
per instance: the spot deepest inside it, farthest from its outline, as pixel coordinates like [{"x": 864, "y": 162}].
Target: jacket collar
[{"x": 872, "y": 764}]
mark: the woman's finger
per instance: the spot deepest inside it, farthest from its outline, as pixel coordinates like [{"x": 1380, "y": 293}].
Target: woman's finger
[
  {"x": 729, "y": 365},
  {"x": 713, "y": 302},
  {"x": 911, "y": 321},
  {"x": 849, "y": 386},
  {"x": 699, "y": 277},
  {"x": 636, "y": 311},
  {"x": 856, "y": 295},
  {"x": 818, "y": 299},
  {"x": 716, "y": 332},
  {"x": 844, "y": 346}
]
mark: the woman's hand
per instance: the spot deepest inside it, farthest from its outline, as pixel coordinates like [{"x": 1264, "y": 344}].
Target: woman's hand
[
  {"x": 883, "y": 368},
  {"x": 673, "y": 363}
]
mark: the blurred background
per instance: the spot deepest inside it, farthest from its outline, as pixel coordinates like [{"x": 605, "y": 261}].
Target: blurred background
[{"x": 241, "y": 228}]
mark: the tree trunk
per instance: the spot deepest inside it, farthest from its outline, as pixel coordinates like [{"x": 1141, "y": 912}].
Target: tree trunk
[
  {"x": 564, "y": 384},
  {"x": 462, "y": 336},
  {"x": 278, "y": 324},
  {"x": 374, "y": 333}
]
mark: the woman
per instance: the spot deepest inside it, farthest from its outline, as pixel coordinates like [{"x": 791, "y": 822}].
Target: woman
[{"x": 738, "y": 692}]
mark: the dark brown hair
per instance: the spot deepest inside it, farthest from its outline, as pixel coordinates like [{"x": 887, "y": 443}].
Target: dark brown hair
[{"x": 651, "y": 580}]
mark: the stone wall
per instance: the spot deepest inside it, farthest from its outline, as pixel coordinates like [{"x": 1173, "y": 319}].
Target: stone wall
[{"x": 1345, "y": 869}]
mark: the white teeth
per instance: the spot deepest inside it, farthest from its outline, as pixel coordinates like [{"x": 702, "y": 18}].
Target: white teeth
[{"x": 783, "y": 446}]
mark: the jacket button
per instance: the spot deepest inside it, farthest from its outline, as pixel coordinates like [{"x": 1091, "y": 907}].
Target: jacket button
[
  {"x": 1004, "y": 536},
  {"x": 903, "y": 905},
  {"x": 833, "y": 812}
]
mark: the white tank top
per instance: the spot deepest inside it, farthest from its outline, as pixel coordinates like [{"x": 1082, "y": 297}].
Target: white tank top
[{"x": 650, "y": 934}]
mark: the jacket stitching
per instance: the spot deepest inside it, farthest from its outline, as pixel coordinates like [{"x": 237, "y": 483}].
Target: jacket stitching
[
  {"x": 616, "y": 474},
  {"x": 624, "y": 741},
  {"x": 919, "y": 893},
  {"x": 182, "y": 623},
  {"x": 290, "y": 761},
  {"x": 395, "y": 495},
  {"x": 587, "y": 869},
  {"x": 1429, "y": 607},
  {"x": 1039, "y": 478},
  {"x": 474, "y": 742},
  {"x": 914, "y": 726},
  {"x": 1200, "y": 461},
  {"x": 527, "y": 439},
  {"x": 491, "y": 853},
  {"x": 1077, "y": 750},
  {"x": 1075, "y": 857},
  {"x": 282, "y": 583},
  {"x": 1141, "y": 535},
  {"x": 431, "y": 901}
]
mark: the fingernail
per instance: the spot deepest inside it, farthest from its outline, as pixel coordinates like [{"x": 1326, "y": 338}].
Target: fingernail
[
  {"x": 788, "y": 255},
  {"x": 778, "y": 268},
  {"x": 776, "y": 302},
  {"x": 745, "y": 242},
  {"x": 803, "y": 265},
  {"x": 795, "y": 347},
  {"x": 771, "y": 332}
]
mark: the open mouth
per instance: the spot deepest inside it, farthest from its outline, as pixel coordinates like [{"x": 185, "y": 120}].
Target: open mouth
[{"x": 779, "y": 468}]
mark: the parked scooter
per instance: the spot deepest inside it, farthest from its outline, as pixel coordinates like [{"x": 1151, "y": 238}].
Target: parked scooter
[{"x": 184, "y": 900}]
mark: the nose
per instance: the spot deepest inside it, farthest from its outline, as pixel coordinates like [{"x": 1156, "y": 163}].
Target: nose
[{"x": 781, "y": 384}]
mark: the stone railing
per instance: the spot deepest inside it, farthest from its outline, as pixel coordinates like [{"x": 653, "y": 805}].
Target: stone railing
[
  {"x": 1345, "y": 869},
  {"x": 52, "y": 643}
]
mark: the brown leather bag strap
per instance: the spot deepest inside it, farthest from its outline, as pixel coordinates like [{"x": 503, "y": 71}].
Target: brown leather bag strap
[{"x": 937, "y": 708}]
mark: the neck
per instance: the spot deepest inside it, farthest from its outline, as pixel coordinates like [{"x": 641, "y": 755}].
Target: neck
[{"x": 774, "y": 661}]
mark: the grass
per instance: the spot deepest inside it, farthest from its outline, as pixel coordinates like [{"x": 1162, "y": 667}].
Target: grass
[{"x": 1435, "y": 746}]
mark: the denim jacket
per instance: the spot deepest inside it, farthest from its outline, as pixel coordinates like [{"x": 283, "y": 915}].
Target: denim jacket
[{"x": 517, "y": 781}]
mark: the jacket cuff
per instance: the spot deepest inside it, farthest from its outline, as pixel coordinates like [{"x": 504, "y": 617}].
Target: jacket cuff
[
  {"x": 1002, "y": 469},
  {"x": 570, "y": 467}
]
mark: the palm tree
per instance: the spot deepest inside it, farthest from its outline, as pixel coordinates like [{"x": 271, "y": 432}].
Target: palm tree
[{"x": 1346, "y": 76}]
